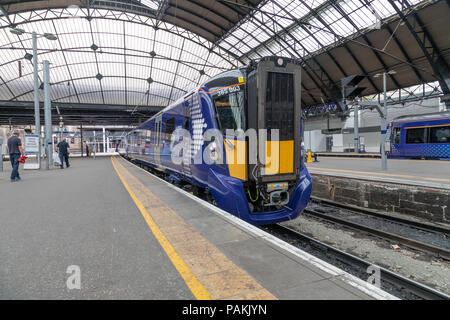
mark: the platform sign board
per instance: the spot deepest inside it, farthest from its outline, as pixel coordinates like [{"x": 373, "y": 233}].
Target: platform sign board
[{"x": 31, "y": 148}]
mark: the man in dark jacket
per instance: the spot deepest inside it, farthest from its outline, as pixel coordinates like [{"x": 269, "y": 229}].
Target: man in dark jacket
[
  {"x": 63, "y": 149},
  {"x": 15, "y": 152}
]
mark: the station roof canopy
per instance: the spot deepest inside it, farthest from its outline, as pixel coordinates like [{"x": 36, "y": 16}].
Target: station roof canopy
[{"x": 141, "y": 55}]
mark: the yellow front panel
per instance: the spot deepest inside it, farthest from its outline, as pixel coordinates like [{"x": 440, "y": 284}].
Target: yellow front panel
[
  {"x": 279, "y": 157},
  {"x": 287, "y": 156},
  {"x": 236, "y": 152},
  {"x": 272, "y": 157}
]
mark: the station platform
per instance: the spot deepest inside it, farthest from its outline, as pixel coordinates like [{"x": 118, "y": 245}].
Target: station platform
[
  {"x": 134, "y": 236},
  {"x": 426, "y": 173},
  {"x": 348, "y": 154}
]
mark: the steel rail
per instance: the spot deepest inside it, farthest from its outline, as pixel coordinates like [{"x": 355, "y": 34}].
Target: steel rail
[
  {"x": 421, "y": 225},
  {"x": 395, "y": 279},
  {"x": 440, "y": 252}
]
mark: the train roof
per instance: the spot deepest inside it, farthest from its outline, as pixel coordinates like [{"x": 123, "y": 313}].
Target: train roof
[
  {"x": 225, "y": 78},
  {"x": 423, "y": 117}
]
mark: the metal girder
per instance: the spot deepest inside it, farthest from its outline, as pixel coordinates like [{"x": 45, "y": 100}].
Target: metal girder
[
  {"x": 429, "y": 48},
  {"x": 81, "y": 106},
  {"x": 92, "y": 77},
  {"x": 405, "y": 54},
  {"x": 62, "y": 13},
  {"x": 124, "y": 6},
  {"x": 380, "y": 60},
  {"x": 23, "y": 113},
  {"x": 277, "y": 38},
  {"x": 394, "y": 97},
  {"x": 65, "y": 60},
  {"x": 91, "y": 62},
  {"x": 318, "y": 17},
  {"x": 112, "y": 90}
]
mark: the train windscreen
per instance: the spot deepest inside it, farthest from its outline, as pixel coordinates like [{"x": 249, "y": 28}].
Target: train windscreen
[{"x": 230, "y": 111}]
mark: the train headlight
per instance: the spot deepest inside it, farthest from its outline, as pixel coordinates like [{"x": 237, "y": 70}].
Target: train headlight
[{"x": 213, "y": 153}]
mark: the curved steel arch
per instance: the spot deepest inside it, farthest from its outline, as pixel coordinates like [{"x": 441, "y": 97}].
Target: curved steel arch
[
  {"x": 78, "y": 49},
  {"x": 90, "y": 62},
  {"x": 99, "y": 91},
  {"x": 93, "y": 77},
  {"x": 215, "y": 53},
  {"x": 188, "y": 35}
]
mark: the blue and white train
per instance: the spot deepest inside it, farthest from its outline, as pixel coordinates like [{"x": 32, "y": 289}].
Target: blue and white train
[
  {"x": 425, "y": 136},
  {"x": 263, "y": 95}
]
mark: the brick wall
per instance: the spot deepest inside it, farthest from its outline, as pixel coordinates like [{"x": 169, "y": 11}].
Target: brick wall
[{"x": 424, "y": 202}]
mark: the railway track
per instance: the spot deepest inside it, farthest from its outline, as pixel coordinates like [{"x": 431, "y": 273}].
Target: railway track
[
  {"x": 390, "y": 281},
  {"x": 432, "y": 239}
]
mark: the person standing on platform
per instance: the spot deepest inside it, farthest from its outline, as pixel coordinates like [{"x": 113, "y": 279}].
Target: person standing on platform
[
  {"x": 63, "y": 149},
  {"x": 15, "y": 152},
  {"x": 87, "y": 150}
]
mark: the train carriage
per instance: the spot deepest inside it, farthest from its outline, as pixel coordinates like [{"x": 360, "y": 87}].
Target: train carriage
[
  {"x": 424, "y": 136},
  {"x": 236, "y": 138}
]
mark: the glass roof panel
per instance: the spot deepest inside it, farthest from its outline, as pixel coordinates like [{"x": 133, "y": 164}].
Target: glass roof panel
[
  {"x": 108, "y": 59},
  {"x": 280, "y": 17}
]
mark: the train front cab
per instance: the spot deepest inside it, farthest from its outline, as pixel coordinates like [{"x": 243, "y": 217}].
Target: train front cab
[{"x": 277, "y": 187}]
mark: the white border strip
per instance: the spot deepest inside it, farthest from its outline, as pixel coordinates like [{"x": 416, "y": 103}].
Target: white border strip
[{"x": 364, "y": 286}]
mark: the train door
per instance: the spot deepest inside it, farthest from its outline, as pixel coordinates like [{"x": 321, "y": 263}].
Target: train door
[
  {"x": 157, "y": 147},
  {"x": 186, "y": 164},
  {"x": 395, "y": 147}
]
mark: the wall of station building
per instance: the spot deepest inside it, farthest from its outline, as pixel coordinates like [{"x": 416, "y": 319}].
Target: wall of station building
[{"x": 333, "y": 134}]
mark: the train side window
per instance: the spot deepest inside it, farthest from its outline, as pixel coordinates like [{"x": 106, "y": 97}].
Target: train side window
[
  {"x": 397, "y": 135},
  {"x": 440, "y": 134},
  {"x": 415, "y": 135}
]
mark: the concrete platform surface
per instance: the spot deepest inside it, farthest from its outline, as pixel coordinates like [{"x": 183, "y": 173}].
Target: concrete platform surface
[
  {"x": 134, "y": 236},
  {"x": 428, "y": 173}
]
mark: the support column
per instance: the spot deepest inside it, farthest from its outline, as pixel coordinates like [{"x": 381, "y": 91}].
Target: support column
[
  {"x": 81, "y": 142},
  {"x": 94, "y": 145},
  {"x": 356, "y": 127},
  {"x": 37, "y": 116},
  {"x": 48, "y": 115},
  {"x": 383, "y": 127},
  {"x": 1, "y": 155},
  {"x": 104, "y": 140}
]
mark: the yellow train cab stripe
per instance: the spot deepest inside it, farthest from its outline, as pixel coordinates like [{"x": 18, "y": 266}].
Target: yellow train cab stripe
[
  {"x": 279, "y": 157},
  {"x": 236, "y": 152},
  {"x": 287, "y": 156},
  {"x": 272, "y": 165},
  {"x": 191, "y": 281}
]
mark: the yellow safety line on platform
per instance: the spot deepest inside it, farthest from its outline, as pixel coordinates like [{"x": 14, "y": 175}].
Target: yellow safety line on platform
[
  {"x": 192, "y": 282},
  {"x": 378, "y": 159},
  {"x": 218, "y": 275},
  {"x": 378, "y": 174}
]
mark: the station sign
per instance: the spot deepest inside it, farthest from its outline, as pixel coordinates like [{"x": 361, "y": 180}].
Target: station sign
[{"x": 31, "y": 143}]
